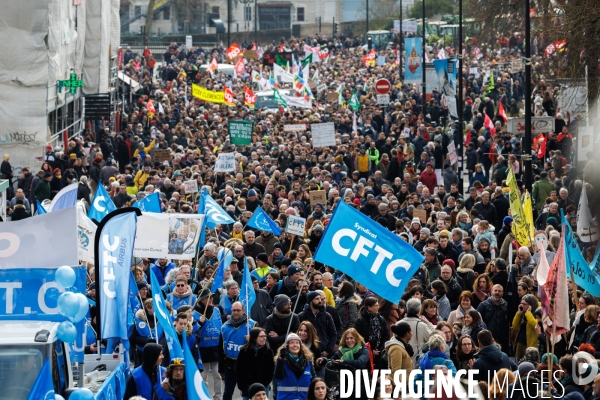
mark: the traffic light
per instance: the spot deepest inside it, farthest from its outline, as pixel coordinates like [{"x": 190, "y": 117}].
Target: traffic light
[
  {"x": 336, "y": 28},
  {"x": 369, "y": 42}
]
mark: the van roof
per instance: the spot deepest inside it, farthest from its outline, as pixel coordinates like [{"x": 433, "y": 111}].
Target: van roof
[{"x": 23, "y": 331}]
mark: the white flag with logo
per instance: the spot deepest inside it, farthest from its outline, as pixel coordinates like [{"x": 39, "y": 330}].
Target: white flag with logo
[{"x": 587, "y": 228}]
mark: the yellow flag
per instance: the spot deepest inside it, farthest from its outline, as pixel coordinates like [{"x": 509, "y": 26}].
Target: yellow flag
[
  {"x": 519, "y": 226},
  {"x": 528, "y": 208}
]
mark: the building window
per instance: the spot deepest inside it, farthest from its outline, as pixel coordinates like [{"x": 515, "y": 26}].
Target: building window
[
  {"x": 247, "y": 13},
  {"x": 215, "y": 9},
  {"x": 300, "y": 14},
  {"x": 167, "y": 13},
  {"x": 137, "y": 10}
]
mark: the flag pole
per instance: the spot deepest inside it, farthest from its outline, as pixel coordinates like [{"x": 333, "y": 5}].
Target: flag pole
[{"x": 295, "y": 305}]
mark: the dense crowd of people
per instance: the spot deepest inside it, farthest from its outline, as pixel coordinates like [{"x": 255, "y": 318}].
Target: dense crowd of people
[{"x": 469, "y": 306}]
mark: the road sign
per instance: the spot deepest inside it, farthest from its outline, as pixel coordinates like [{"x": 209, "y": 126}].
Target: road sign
[
  {"x": 383, "y": 99},
  {"x": 383, "y": 86}
]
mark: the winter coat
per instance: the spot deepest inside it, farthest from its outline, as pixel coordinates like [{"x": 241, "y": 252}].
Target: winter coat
[
  {"x": 347, "y": 309},
  {"x": 278, "y": 324},
  {"x": 362, "y": 326},
  {"x": 19, "y": 213},
  {"x": 490, "y": 359},
  {"x": 495, "y": 317},
  {"x": 532, "y": 338},
  {"x": 457, "y": 316},
  {"x": 421, "y": 334},
  {"x": 398, "y": 358},
  {"x": 449, "y": 177},
  {"x": 468, "y": 277},
  {"x": 254, "y": 366},
  {"x": 323, "y": 323},
  {"x": 262, "y": 307},
  {"x": 429, "y": 179}
]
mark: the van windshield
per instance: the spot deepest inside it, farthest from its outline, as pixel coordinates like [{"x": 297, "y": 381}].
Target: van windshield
[
  {"x": 20, "y": 366},
  {"x": 265, "y": 101}
]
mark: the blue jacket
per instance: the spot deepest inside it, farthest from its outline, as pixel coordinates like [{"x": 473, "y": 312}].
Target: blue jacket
[
  {"x": 143, "y": 383},
  {"x": 160, "y": 273},
  {"x": 291, "y": 387},
  {"x": 233, "y": 335}
]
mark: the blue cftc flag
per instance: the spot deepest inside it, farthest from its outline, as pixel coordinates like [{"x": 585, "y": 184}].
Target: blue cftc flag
[
  {"x": 43, "y": 388},
  {"x": 215, "y": 214},
  {"x": 115, "y": 253},
  {"x": 368, "y": 252},
  {"x": 164, "y": 319},
  {"x": 149, "y": 203},
  {"x": 261, "y": 220},
  {"x": 102, "y": 204}
]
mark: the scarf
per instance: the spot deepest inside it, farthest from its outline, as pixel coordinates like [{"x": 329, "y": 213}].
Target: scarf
[
  {"x": 466, "y": 330},
  {"x": 407, "y": 346},
  {"x": 374, "y": 330},
  {"x": 481, "y": 295},
  {"x": 348, "y": 353},
  {"x": 296, "y": 364},
  {"x": 281, "y": 315},
  {"x": 256, "y": 348}
]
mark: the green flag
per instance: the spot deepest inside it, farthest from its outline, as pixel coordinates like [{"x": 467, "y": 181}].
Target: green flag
[
  {"x": 353, "y": 103},
  {"x": 281, "y": 60},
  {"x": 307, "y": 60},
  {"x": 491, "y": 84},
  {"x": 278, "y": 99}
]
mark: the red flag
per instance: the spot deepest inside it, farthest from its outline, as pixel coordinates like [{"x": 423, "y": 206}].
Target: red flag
[
  {"x": 487, "y": 122},
  {"x": 214, "y": 65},
  {"x": 249, "y": 97},
  {"x": 253, "y": 46},
  {"x": 492, "y": 154},
  {"x": 541, "y": 151},
  {"x": 502, "y": 112},
  {"x": 239, "y": 66},
  {"x": 468, "y": 138},
  {"x": 229, "y": 98},
  {"x": 233, "y": 51},
  {"x": 150, "y": 107}
]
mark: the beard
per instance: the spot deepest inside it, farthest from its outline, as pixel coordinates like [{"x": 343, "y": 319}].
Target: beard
[{"x": 318, "y": 306}]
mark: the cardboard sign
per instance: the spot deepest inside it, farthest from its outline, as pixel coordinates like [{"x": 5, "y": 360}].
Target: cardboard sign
[
  {"x": 294, "y": 128},
  {"x": 295, "y": 225},
  {"x": 452, "y": 153},
  {"x": 332, "y": 96},
  {"x": 251, "y": 55},
  {"x": 323, "y": 134},
  {"x": 317, "y": 196},
  {"x": 421, "y": 214},
  {"x": 162, "y": 155},
  {"x": 321, "y": 87},
  {"x": 190, "y": 187}
]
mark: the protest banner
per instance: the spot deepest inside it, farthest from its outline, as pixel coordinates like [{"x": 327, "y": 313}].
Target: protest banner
[
  {"x": 225, "y": 162},
  {"x": 173, "y": 236},
  {"x": 317, "y": 196},
  {"x": 190, "y": 187},
  {"x": 162, "y": 155},
  {"x": 294, "y": 128},
  {"x": 240, "y": 132},
  {"x": 323, "y": 134},
  {"x": 207, "y": 95},
  {"x": 295, "y": 225}
]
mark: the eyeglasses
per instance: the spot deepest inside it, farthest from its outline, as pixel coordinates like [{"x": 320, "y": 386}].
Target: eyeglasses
[
  {"x": 237, "y": 310},
  {"x": 180, "y": 285}
]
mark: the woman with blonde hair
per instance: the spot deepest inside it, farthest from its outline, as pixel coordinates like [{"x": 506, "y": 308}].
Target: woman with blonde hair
[
  {"x": 309, "y": 336},
  {"x": 466, "y": 270},
  {"x": 304, "y": 253}
]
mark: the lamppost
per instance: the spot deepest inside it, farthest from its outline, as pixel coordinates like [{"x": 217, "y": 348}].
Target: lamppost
[
  {"x": 460, "y": 137},
  {"x": 527, "y": 145},
  {"x": 368, "y": 15},
  {"x": 228, "y": 23},
  {"x": 400, "y": 77},
  {"x": 424, "y": 66}
]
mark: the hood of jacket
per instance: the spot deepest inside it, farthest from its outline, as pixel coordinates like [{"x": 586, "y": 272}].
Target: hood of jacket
[
  {"x": 187, "y": 293},
  {"x": 354, "y": 299},
  {"x": 392, "y": 342},
  {"x": 464, "y": 270}
]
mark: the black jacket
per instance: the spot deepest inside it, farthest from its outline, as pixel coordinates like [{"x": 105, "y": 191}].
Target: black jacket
[
  {"x": 490, "y": 359},
  {"x": 280, "y": 325},
  {"x": 495, "y": 317},
  {"x": 254, "y": 366},
  {"x": 501, "y": 204},
  {"x": 362, "y": 326},
  {"x": 262, "y": 307},
  {"x": 323, "y": 323},
  {"x": 19, "y": 213},
  {"x": 487, "y": 211}
]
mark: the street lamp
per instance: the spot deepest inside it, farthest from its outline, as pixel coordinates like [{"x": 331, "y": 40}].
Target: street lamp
[
  {"x": 527, "y": 145},
  {"x": 424, "y": 67},
  {"x": 460, "y": 137}
]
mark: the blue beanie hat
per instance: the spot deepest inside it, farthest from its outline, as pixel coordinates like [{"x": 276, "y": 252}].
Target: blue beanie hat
[
  {"x": 507, "y": 220},
  {"x": 251, "y": 192}
]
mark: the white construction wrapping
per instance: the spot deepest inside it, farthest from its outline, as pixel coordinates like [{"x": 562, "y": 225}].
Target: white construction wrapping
[
  {"x": 23, "y": 73},
  {"x": 96, "y": 64}
]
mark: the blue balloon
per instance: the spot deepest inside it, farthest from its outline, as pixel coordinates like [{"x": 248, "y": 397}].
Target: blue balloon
[
  {"x": 82, "y": 394},
  {"x": 228, "y": 256},
  {"x": 65, "y": 276},
  {"x": 84, "y": 307},
  {"x": 66, "y": 332},
  {"x": 68, "y": 304}
]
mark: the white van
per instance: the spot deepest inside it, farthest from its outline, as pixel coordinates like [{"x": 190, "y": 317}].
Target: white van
[
  {"x": 227, "y": 69},
  {"x": 265, "y": 99}
]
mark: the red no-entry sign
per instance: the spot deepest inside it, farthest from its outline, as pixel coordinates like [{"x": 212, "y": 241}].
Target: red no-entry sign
[{"x": 383, "y": 86}]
